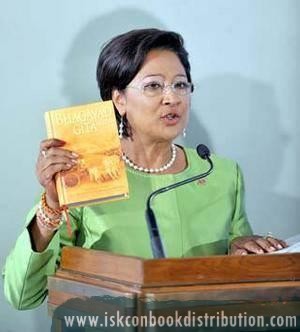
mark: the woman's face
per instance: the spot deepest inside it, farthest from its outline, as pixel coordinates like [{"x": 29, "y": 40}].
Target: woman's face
[{"x": 152, "y": 115}]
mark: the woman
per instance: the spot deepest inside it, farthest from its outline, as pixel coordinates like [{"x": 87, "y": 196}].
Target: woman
[{"x": 146, "y": 73}]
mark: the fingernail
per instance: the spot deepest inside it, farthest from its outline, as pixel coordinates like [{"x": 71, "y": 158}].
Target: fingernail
[
  {"x": 244, "y": 253},
  {"x": 260, "y": 251},
  {"x": 74, "y": 161},
  {"x": 59, "y": 141},
  {"x": 279, "y": 246},
  {"x": 74, "y": 154},
  {"x": 68, "y": 165},
  {"x": 272, "y": 248}
]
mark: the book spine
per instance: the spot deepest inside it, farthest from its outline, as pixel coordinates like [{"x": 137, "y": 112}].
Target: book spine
[{"x": 58, "y": 178}]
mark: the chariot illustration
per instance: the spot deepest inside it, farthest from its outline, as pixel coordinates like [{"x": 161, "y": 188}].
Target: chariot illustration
[{"x": 94, "y": 166}]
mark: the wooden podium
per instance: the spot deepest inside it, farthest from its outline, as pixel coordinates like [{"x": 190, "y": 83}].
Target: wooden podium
[{"x": 255, "y": 285}]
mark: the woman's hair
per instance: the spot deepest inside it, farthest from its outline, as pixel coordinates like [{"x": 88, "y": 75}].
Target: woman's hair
[{"x": 123, "y": 56}]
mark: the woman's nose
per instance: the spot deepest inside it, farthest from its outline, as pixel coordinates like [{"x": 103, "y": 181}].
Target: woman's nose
[{"x": 169, "y": 96}]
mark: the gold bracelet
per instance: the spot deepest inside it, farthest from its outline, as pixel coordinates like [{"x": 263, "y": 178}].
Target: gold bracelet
[
  {"x": 51, "y": 223},
  {"x": 48, "y": 210}
]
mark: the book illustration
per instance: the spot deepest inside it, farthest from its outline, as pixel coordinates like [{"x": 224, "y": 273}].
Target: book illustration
[{"x": 95, "y": 168}]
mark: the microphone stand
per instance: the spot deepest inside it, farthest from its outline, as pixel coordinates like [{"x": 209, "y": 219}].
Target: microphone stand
[{"x": 156, "y": 243}]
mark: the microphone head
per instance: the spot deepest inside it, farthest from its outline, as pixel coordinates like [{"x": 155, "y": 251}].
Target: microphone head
[{"x": 203, "y": 151}]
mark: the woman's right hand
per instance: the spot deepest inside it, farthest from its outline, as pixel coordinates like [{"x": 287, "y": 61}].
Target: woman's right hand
[{"x": 51, "y": 160}]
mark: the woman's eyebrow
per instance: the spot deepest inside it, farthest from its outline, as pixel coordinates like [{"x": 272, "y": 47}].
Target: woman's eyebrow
[
  {"x": 161, "y": 75},
  {"x": 150, "y": 75}
]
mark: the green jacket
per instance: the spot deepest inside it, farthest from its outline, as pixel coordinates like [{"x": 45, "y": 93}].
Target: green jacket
[{"x": 197, "y": 219}]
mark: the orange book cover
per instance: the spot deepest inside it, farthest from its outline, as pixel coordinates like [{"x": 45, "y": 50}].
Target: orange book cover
[{"x": 91, "y": 131}]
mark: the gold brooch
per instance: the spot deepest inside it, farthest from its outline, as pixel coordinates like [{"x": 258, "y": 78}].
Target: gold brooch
[{"x": 201, "y": 182}]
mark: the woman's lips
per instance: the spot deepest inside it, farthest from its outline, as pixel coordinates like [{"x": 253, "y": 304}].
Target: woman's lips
[{"x": 170, "y": 119}]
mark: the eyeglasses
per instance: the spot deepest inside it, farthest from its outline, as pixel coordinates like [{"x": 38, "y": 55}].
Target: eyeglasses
[{"x": 156, "y": 88}]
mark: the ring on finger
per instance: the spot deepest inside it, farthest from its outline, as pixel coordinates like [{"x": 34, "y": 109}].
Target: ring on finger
[{"x": 269, "y": 235}]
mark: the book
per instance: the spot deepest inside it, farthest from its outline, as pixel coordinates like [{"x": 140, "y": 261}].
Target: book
[{"x": 91, "y": 131}]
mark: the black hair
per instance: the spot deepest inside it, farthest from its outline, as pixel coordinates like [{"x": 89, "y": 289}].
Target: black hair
[{"x": 123, "y": 56}]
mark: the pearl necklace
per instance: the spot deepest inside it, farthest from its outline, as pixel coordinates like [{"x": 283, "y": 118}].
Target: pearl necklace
[{"x": 152, "y": 170}]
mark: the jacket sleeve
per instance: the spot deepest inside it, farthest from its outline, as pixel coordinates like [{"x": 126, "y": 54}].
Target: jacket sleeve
[
  {"x": 240, "y": 225},
  {"x": 25, "y": 271}
]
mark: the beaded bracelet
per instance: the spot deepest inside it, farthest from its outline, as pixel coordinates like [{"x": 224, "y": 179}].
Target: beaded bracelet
[
  {"x": 52, "y": 219},
  {"x": 47, "y": 209},
  {"x": 51, "y": 223}
]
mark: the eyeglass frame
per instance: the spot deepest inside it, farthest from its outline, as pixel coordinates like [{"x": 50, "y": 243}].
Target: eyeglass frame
[{"x": 141, "y": 87}]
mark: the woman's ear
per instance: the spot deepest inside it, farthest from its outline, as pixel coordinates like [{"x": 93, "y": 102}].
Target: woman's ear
[{"x": 119, "y": 100}]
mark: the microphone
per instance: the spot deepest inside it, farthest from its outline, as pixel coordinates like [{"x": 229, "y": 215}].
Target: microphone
[{"x": 155, "y": 239}]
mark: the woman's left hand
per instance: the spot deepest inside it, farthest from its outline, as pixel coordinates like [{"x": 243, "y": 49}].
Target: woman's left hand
[{"x": 245, "y": 245}]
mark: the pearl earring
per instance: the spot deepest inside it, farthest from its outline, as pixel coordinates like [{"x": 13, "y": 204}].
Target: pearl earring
[
  {"x": 184, "y": 133},
  {"x": 121, "y": 127}
]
